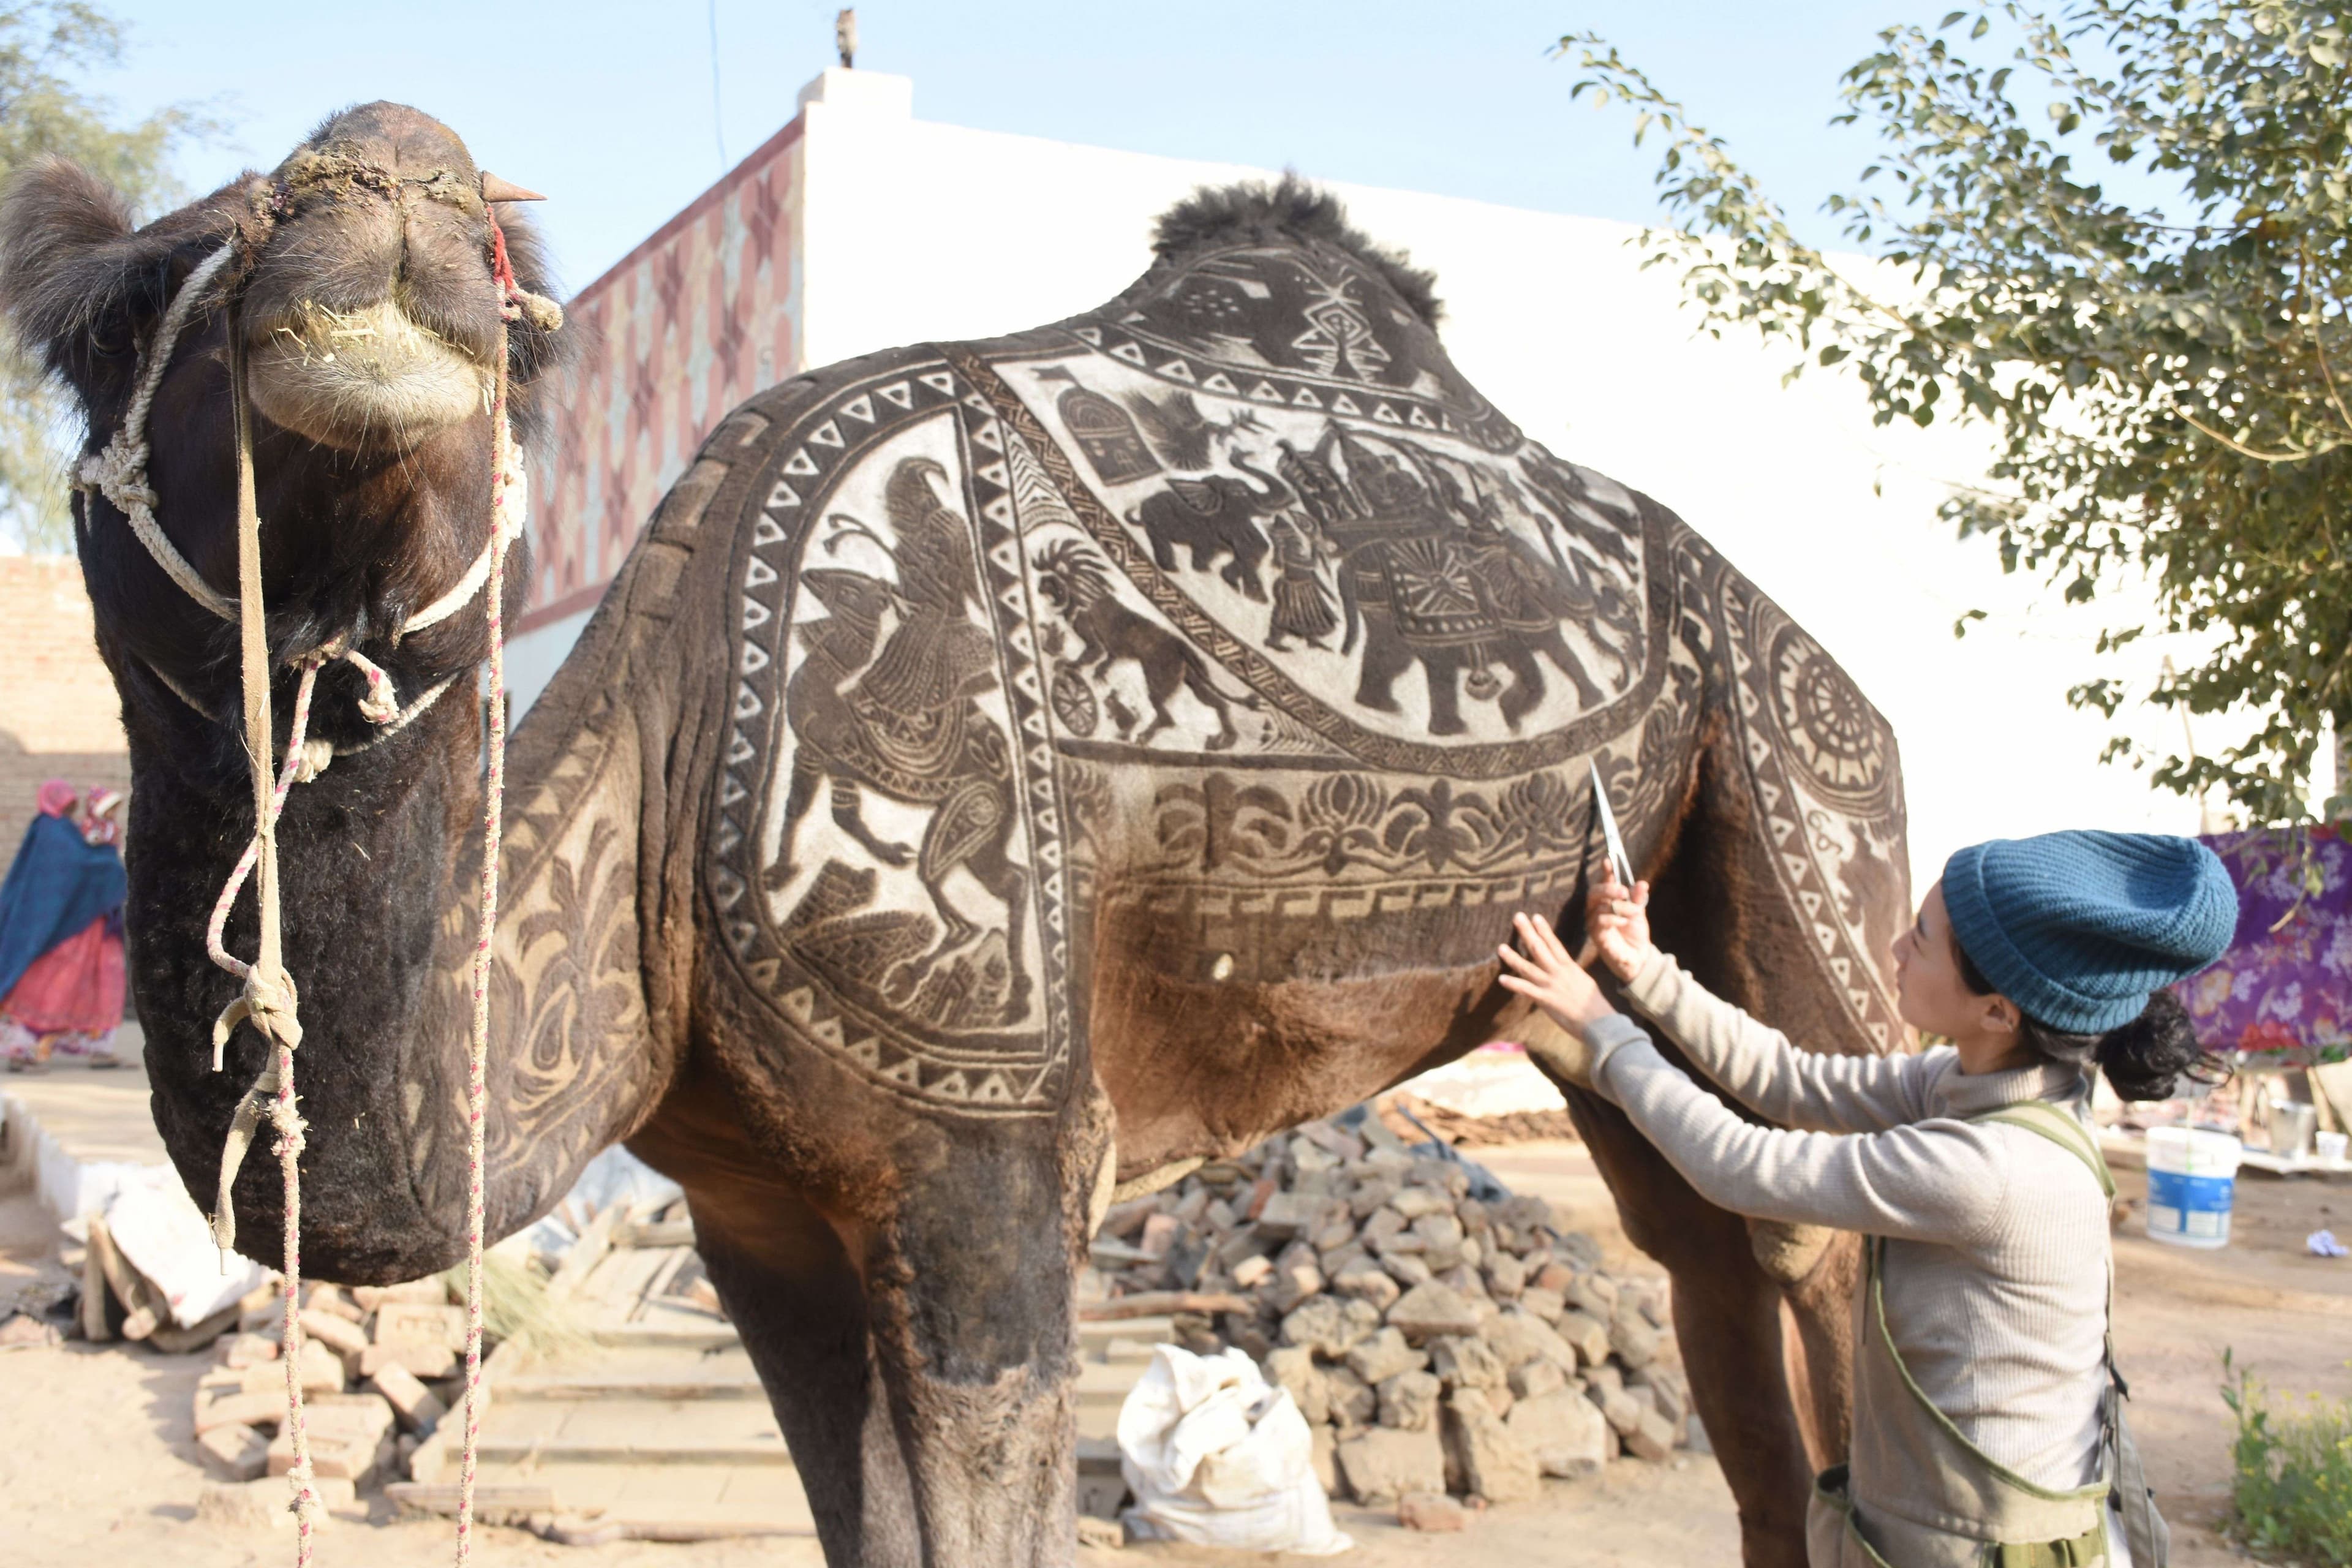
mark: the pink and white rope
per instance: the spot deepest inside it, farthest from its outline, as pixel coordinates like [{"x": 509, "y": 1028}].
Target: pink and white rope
[{"x": 479, "y": 1045}]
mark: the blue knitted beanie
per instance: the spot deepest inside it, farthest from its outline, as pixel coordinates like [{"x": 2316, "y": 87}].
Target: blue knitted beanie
[{"x": 2078, "y": 928}]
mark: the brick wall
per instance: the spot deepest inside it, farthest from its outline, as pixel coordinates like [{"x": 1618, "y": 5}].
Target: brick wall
[{"x": 60, "y": 716}]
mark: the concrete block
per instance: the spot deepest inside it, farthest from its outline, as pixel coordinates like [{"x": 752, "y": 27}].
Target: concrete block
[
  {"x": 1533, "y": 1379},
  {"x": 1586, "y": 1334},
  {"x": 1432, "y": 1311},
  {"x": 418, "y": 1408},
  {"x": 1564, "y": 1431},
  {"x": 1383, "y": 1356},
  {"x": 1409, "y": 1400},
  {"x": 1466, "y": 1361},
  {"x": 241, "y": 1351},
  {"x": 236, "y": 1453},
  {"x": 1386, "y": 1463},
  {"x": 422, "y": 1361},
  {"x": 340, "y": 1334},
  {"x": 1494, "y": 1464},
  {"x": 420, "y": 1324}
]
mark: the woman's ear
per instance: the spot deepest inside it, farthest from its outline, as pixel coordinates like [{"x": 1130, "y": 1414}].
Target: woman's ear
[{"x": 2001, "y": 1016}]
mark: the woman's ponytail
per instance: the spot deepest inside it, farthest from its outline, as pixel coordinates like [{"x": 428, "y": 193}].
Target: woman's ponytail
[
  {"x": 2144, "y": 1059},
  {"x": 2148, "y": 1058}
]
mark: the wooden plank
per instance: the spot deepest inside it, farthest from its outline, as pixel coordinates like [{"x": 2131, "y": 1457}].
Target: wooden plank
[
  {"x": 672, "y": 1261},
  {"x": 174, "y": 1340},
  {"x": 140, "y": 1299},
  {"x": 442, "y": 1497},
  {"x": 655, "y": 1233},
  {"x": 586, "y": 1253},
  {"x": 494, "y": 1451},
  {"x": 1158, "y": 1303},
  {"x": 618, "y": 1283},
  {"x": 717, "y": 1336},
  {"x": 626, "y": 1387},
  {"x": 94, "y": 1326}
]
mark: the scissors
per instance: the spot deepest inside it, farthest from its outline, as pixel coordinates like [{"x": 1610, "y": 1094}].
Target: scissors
[{"x": 1620, "y": 865}]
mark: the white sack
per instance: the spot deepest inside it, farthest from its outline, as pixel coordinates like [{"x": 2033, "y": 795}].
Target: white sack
[{"x": 1216, "y": 1457}]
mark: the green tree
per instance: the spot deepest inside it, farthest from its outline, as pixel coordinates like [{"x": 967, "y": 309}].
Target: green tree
[
  {"x": 2165, "y": 381},
  {"x": 46, "y": 52}
]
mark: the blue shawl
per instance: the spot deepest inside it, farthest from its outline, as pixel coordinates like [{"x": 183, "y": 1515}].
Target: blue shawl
[{"x": 57, "y": 884}]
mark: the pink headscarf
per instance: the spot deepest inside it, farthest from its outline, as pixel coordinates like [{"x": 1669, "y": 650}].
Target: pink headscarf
[{"x": 57, "y": 798}]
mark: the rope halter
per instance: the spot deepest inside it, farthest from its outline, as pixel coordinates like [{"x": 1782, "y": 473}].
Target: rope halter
[
  {"x": 269, "y": 999},
  {"x": 119, "y": 472}
]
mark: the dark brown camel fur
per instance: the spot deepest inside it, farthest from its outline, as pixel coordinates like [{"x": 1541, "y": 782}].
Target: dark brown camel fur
[{"x": 897, "y": 1088}]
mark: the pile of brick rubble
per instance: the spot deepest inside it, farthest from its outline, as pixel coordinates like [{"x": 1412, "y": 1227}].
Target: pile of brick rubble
[
  {"x": 380, "y": 1367},
  {"x": 1436, "y": 1341}
]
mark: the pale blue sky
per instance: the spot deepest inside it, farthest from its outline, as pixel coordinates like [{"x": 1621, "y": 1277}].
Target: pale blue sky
[{"x": 606, "y": 106}]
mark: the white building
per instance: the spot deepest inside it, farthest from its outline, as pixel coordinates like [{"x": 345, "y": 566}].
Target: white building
[{"x": 858, "y": 227}]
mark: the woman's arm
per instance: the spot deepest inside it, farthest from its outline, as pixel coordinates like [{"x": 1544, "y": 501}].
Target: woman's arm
[
  {"x": 1759, "y": 1067},
  {"x": 1937, "y": 1180}
]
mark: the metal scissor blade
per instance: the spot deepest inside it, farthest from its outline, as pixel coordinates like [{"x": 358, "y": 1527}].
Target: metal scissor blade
[{"x": 1620, "y": 863}]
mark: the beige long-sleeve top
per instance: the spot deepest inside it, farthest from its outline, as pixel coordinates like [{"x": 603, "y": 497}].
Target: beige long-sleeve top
[{"x": 1996, "y": 1268}]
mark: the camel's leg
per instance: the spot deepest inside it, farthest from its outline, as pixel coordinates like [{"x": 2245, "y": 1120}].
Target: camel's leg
[
  {"x": 972, "y": 1298},
  {"x": 1719, "y": 907},
  {"x": 801, "y": 1307},
  {"x": 1727, "y": 1322}
]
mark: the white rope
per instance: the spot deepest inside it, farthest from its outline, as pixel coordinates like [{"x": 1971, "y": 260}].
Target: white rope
[
  {"x": 119, "y": 472},
  {"x": 514, "y": 494}
]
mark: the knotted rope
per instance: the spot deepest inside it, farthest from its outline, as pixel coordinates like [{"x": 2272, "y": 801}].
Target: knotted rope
[{"x": 269, "y": 1000}]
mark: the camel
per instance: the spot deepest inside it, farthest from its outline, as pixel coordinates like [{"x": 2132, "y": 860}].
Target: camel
[{"x": 901, "y": 1051}]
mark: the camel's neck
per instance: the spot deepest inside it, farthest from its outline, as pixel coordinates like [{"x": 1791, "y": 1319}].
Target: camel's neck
[{"x": 380, "y": 874}]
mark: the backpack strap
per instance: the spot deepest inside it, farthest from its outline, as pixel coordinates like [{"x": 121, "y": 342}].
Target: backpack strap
[
  {"x": 2150, "y": 1538},
  {"x": 2061, "y": 1128}
]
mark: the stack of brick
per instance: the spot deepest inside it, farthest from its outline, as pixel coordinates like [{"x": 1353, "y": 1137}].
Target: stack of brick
[
  {"x": 380, "y": 1367},
  {"x": 1435, "y": 1342}
]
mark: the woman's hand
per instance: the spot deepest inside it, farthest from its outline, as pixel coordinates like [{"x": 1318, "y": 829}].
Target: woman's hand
[
  {"x": 1546, "y": 976},
  {"x": 1618, "y": 919}
]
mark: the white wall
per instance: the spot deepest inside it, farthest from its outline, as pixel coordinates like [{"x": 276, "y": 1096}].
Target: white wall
[{"x": 918, "y": 231}]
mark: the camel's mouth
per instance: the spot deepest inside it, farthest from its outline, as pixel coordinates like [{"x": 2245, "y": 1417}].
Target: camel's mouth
[{"x": 369, "y": 377}]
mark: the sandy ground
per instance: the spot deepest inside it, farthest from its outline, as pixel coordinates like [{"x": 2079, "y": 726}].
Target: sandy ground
[{"x": 98, "y": 1469}]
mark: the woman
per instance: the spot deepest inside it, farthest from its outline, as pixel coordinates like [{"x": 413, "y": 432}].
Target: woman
[
  {"x": 1984, "y": 1429},
  {"x": 61, "y": 970}
]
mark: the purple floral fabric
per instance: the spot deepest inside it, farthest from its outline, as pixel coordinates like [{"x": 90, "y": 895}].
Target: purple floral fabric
[{"x": 2281, "y": 996}]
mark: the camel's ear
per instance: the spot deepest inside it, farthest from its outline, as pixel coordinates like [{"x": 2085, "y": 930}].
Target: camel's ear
[{"x": 79, "y": 284}]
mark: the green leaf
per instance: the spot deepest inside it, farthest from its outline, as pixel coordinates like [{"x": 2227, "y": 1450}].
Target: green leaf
[{"x": 2153, "y": 396}]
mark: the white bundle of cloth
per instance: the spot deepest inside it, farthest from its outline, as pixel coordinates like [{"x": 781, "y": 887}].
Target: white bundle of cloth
[{"x": 1217, "y": 1457}]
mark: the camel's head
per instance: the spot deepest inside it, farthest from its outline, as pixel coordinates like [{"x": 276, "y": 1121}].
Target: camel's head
[
  {"x": 370, "y": 313},
  {"x": 361, "y": 273}
]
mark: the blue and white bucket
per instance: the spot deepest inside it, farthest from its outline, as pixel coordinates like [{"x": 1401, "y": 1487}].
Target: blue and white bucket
[{"x": 2192, "y": 1177}]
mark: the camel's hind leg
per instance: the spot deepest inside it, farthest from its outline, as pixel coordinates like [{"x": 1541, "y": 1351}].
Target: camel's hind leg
[
  {"x": 1778, "y": 1406},
  {"x": 800, "y": 1308},
  {"x": 1728, "y": 1320}
]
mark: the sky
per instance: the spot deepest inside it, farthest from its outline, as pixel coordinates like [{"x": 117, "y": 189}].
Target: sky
[{"x": 608, "y": 109}]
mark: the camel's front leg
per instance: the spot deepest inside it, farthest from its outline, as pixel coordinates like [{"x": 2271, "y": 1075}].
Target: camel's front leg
[
  {"x": 800, "y": 1308},
  {"x": 970, "y": 1286}
]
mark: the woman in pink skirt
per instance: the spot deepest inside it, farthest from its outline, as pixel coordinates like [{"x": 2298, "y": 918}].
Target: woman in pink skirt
[{"x": 61, "y": 970}]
